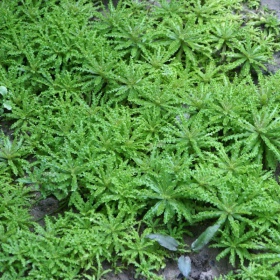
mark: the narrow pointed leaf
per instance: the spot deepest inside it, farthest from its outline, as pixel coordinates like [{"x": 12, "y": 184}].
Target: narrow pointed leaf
[
  {"x": 205, "y": 237},
  {"x": 167, "y": 242}
]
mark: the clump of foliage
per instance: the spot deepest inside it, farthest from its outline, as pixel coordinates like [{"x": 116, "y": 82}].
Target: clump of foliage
[{"x": 140, "y": 119}]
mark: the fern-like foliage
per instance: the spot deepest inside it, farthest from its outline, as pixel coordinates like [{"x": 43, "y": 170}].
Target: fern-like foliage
[
  {"x": 136, "y": 117},
  {"x": 13, "y": 212},
  {"x": 139, "y": 251},
  {"x": 191, "y": 134},
  {"x": 236, "y": 244},
  {"x": 254, "y": 271},
  {"x": 260, "y": 131},
  {"x": 184, "y": 39},
  {"x": 169, "y": 197},
  {"x": 234, "y": 161},
  {"x": 250, "y": 56},
  {"x": 12, "y": 154},
  {"x": 236, "y": 199}
]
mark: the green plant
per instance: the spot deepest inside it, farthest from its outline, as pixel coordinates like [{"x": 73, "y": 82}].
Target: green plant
[
  {"x": 236, "y": 199},
  {"x": 185, "y": 40},
  {"x": 254, "y": 271},
  {"x": 236, "y": 243},
  {"x": 249, "y": 56},
  {"x": 169, "y": 196},
  {"x": 209, "y": 73},
  {"x": 205, "y": 11},
  {"x": 268, "y": 243},
  {"x": 130, "y": 38},
  {"x": 139, "y": 251},
  {"x": 252, "y": 3},
  {"x": 135, "y": 116},
  {"x": 233, "y": 161},
  {"x": 169, "y": 9},
  {"x": 269, "y": 21},
  {"x": 12, "y": 154},
  {"x": 261, "y": 132},
  {"x": 191, "y": 135}
]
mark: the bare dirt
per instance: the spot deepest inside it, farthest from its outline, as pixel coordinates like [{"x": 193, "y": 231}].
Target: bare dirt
[{"x": 272, "y": 5}]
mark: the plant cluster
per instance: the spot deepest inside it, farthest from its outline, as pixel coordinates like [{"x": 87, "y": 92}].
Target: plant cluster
[{"x": 140, "y": 119}]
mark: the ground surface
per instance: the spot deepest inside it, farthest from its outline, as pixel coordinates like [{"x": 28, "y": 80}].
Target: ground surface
[
  {"x": 275, "y": 6},
  {"x": 272, "y": 4}
]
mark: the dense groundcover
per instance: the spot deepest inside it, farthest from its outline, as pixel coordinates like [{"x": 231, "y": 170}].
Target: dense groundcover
[{"x": 140, "y": 118}]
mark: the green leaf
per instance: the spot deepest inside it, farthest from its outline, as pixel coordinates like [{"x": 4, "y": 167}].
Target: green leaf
[
  {"x": 205, "y": 237},
  {"x": 165, "y": 241},
  {"x": 184, "y": 264},
  {"x": 7, "y": 105},
  {"x": 3, "y": 90}
]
